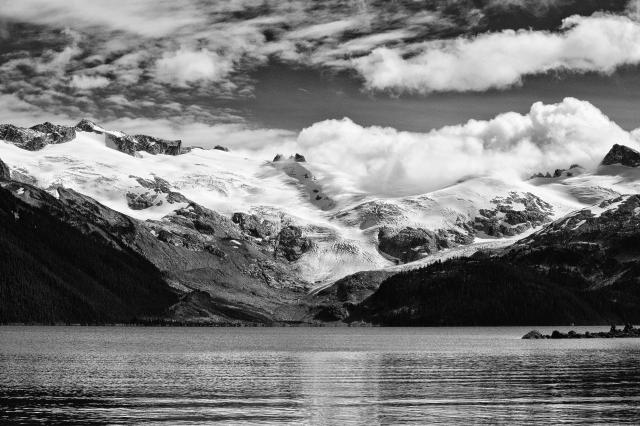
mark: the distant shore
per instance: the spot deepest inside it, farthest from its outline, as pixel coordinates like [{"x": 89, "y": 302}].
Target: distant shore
[{"x": 626, "y": 332}]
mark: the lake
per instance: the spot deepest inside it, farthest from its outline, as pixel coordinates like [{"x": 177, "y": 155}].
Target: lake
[{"x": 314, "y": 376}]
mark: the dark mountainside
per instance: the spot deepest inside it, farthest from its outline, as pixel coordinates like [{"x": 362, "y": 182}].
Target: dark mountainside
[
  {"x": 581, "y": 269},
  {"x": 72, "y": 259},
  {"x": 51, "y": 272},
  {"x": 150, "y": 267}
]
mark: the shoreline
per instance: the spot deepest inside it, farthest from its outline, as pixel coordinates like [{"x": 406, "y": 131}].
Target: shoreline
[{"x": 614, "y": 333}]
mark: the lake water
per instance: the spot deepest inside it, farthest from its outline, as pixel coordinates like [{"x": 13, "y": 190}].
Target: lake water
[{"x": 314, "y": 376}]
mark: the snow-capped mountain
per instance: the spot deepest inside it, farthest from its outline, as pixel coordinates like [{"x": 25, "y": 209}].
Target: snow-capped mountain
[
  {"x": 232, "y": 225},
  {"x": 151, "y": 179}
]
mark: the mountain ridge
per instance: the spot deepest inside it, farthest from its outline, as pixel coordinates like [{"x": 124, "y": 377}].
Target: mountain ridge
[{"x": 228, "y": 258}]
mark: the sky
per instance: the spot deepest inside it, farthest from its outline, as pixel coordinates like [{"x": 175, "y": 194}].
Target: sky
[{"x": 267, "y": 75}]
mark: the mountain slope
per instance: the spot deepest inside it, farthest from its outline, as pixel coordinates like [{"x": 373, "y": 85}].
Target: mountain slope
[
  {"x": 584, "y": 268},
  {"x": 52, "y": 272}
]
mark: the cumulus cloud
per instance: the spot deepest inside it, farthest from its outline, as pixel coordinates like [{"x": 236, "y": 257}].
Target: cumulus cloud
[
  {"x": 185, "y": 66},
  {"x": 84, "y": 82},
  {"x": 600, "y": 43},
  {"x": 391, "y": 162}
]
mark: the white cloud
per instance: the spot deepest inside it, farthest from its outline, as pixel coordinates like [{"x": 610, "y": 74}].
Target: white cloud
[
  {"x": 84, "y": 82},
  {"x": 391, "y": 162},
  {"x": 151, "y": 18},
  {"x": 599, "y": 43},
  {"x": 185, "y": 66}
]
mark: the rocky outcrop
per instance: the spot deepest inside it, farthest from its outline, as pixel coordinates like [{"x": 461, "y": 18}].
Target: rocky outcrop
[
  {"x": 58, "y": 134},
  {"x": 573, "y": 170},
  {"x": 292, "y": 244},
  {"x": 533, "y": 334},
  {"x": 85, "y": 125},
  {"x": 161, "y": 191},
  {"x": 513, "y": 215},
  {"x": 36, "y": 137},
  {"x": 299, "y": 158},
  {"x": 623, "y": 155},
  {"x": 5, "y": 173},
  {"x": 627, "y": 332},
  {"x": 154, "y": 145},
  {"x": 410, "y": 244},
  {"x": 221, "y": 148},
  {"x": 306, "y": 181},
  {"x": 142, "y": 201},
  {"x": 254, "y": 225},
  {"x": 133, "y": 144}
]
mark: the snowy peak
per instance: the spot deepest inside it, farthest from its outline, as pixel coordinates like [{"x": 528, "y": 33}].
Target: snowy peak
[
  {"x": 41, "y": 135},
  {"x": 621, "y": 154},
  {"x": 38, "y": 136}
]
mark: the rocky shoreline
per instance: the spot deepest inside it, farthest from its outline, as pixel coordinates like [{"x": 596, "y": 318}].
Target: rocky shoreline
[{"x": 626, "y": 332}]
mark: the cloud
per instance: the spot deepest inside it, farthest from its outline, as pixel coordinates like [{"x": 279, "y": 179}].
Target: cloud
[
  {"x": 600, "y": 43},
  {"x": 391, "y": 162},
  {"x": 185, "y": 66},
  {"x": 351, "y": 158},
  {"x": 84, "y": 82},
  {"x": 149, "y": 18}
]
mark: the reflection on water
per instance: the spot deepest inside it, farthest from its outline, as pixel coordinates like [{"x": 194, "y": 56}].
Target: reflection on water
[{"x": 318, "y": 376}]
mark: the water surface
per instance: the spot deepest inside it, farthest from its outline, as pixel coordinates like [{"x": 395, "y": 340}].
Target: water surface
[{"x": 314, "y": 376}]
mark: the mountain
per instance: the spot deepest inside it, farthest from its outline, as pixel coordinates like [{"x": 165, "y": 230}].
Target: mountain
[
  {"x": 236, "y": 239},
  {"x": 51, "y": 271},
  {"x": 583, "y": 268}
]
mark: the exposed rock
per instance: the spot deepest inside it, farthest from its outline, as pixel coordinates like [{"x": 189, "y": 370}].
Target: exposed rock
[
  {"x": 253, "y": 225},
  {"x": 29, "y": 139},
  {"x": 221, "y": 148},
  {"x": 409, "y": 244},
  {"x": 58, "y": 134},
  {"x": 142, "y": 201},
  {"x": 573, "y": 170},
  {"x": 5, "y": 173},
  {"x": 299, "y": 158},
  {"x": 85, "y": 125},
  {"x": 294, "y": 168},
  {"x": 513, "y": 215},
  {"x": 155, "y": 145},
  {"x": 292, "y": 244},
  {"x": 621, "y": 154},
  {"x": 628, "y": 331},
  {"x": 534, "y": 334}
]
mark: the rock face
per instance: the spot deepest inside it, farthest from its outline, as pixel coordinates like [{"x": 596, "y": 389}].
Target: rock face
[
  {"x": 292, "y": 244},
  {"x": 59, "y": 134},
  {"x": 513, "y": 215},
  {"x": 160, "y": 190},
  {"x": 409, "y": 244},
  {"x": 132, "y": 144},
  {"x": 533, "y": 334},
  {"x": 306, "y": 181},
  {"x": 620, "y": 154},
  {"x": 155, "y": 145},
  {"x": 221, "y": 148},
  {"x": 37, "y": 137},
  {"x": 85, "y": 125},
  {"x": 4, "y": 171},
  {"x": 254, "y": 225}
]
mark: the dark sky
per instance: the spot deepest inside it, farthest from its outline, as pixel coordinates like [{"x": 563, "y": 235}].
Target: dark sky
[
  {"x": 295, "y": 98},
  {"x": 269, "y": 64}
]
